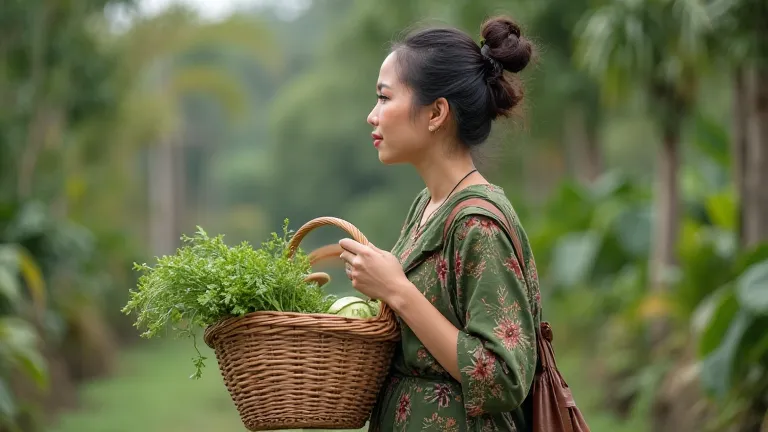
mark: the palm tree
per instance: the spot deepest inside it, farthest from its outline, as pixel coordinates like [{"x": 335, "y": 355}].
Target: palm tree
[
  {"x": 653, "y": 49},
  {"x": 741, "y": 43},
  {"x": 159, "y": 53}
]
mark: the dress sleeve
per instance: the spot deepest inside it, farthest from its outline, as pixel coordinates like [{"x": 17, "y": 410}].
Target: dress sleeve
[{"x": 497, "y": 346}]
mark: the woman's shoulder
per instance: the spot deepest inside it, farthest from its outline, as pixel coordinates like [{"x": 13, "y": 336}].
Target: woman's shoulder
[
  {"x": 472, "y": 223},
  {"x": 491, "y": 194}
]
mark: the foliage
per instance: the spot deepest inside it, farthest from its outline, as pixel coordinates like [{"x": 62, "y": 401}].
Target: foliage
[
  {"x": 731, "y": 325},
  {"x": 660, "y": 44},
  {"x": 195, "y": 58},
  {"x": 594, "y": 263},
  {"x": 738, "y": 25},
  {"x": 84, "y": 108},
  {"x": 207, "y": 281},
  {"x": 19, "y": 338},
  {"x": 56, "y": 86}
]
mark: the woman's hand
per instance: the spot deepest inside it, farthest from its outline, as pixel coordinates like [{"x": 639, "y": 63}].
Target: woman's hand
[
  {"x": 374, "y": 272},
  {"x": 379, "y": 275}
]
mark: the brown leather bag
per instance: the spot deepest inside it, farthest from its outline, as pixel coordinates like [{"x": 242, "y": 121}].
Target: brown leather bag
[{"x": 553, "y": 407}]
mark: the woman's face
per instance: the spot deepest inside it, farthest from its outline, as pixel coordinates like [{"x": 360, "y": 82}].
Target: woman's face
[{"x": 399, "y": 137}]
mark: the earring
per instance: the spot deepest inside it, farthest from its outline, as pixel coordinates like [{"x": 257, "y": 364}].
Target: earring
[{"x": 431, "y": 128}]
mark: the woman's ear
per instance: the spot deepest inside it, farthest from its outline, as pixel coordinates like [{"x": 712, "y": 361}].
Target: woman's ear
[{"x": 439, "y": 114}]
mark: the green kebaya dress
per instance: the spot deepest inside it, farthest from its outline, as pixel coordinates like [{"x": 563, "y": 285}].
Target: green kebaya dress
[{"x": 475, "y": 280}]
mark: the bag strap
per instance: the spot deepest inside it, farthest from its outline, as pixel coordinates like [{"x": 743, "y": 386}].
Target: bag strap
[{"x": 546, "y": 357}]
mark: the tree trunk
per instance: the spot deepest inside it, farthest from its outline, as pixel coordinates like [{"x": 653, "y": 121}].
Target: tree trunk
[
  {"x": 665, "y": 234},
  {"x": 594, "y": 156},
  {"x": 180, "y": 204},
  {"x": 39, "y": 112},
  {"x": 666, "y": 224},
  {"x": 581, "y": 145},
  {"x": 161, "y": 196},
  {"x": 163, "y": 187},
  {"x": 755, "y": 174},
  {"x": 739, "y": 145}
]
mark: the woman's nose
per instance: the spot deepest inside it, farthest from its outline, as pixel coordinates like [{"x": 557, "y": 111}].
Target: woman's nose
[{"x": 373, "y": 119}]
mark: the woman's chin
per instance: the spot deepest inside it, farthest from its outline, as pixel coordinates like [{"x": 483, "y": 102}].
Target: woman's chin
[
  {"x": 385, "y": 157},
  {"x": 388, "y": 157},
  {"x": 390, "y": 160}
]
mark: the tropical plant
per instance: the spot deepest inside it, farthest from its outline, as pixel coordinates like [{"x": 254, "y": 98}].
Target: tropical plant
[{"x": 22, "y": 364}]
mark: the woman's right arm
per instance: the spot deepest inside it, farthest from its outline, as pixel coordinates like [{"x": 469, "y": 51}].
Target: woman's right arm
[{"x": 496, "y": 349}]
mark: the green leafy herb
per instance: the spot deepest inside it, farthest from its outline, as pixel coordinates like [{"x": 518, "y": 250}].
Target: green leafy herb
[{"x": 206, "y": 281}]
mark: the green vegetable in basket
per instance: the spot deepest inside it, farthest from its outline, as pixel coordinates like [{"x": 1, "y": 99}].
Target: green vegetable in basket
[
  {"x": 206, "y": 281},
  {"x": 354, "y": 307}
]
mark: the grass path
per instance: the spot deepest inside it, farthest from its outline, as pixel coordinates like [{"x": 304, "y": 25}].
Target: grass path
[{"x": 151, "y": 392}]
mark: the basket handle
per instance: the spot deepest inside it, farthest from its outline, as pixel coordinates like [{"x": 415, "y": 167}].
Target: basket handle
[
  {"x": 320, "y": 278},
  {"x": 324, "y": 221},
  {"x": 384, "y": 311},
  {"x": 329, "y": 252},
  {"x": 323, "y": 253}
]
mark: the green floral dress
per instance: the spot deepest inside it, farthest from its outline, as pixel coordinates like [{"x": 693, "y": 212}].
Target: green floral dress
[{"x": 474, "y": 279}]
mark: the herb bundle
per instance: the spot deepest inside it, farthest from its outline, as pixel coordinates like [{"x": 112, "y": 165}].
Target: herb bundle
[{"x": 206, "y": 281}]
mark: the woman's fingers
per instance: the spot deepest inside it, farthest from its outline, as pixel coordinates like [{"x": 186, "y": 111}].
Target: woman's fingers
[
  {"x": 348, "y": 257},
  {"x": 354, "y": 247}
]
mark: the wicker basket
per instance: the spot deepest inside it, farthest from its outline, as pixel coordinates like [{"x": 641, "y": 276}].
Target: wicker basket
[{"x": 292, "y": 370}]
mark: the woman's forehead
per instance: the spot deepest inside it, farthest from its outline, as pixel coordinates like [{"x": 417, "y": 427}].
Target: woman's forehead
[{"x": 388, "y": 72}]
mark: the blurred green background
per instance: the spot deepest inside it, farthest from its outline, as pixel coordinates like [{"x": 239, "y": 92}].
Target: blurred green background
[{"x": 639, "y": 171}]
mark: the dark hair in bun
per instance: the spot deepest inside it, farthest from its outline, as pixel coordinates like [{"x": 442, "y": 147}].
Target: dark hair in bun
[{"x": 446, "y": 62}]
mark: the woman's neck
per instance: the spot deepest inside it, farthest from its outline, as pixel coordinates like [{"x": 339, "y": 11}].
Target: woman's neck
[{"x": 441, "y": 174}]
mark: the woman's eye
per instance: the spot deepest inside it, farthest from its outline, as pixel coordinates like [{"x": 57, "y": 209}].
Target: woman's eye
[{"x": 382, "y": 97}]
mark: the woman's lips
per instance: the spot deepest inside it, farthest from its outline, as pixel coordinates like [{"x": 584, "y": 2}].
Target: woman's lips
[{"x": 376, "y": 139}]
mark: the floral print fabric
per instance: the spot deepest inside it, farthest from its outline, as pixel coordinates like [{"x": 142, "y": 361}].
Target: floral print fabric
[{"x": 475, "y": 280}]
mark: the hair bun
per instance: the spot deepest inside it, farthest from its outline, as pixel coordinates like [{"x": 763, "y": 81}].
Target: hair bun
[{"x": 506, "y": 44}]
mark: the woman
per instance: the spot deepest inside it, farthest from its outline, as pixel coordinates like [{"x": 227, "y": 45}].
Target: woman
[{"x": 467, "y": 307}]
